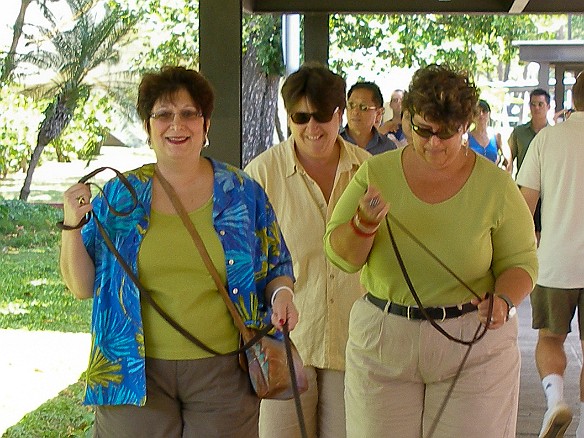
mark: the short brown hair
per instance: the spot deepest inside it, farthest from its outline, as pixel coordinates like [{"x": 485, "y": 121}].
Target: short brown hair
[
  {"x": 442, "y": 95},
  {"x": 323, "y": 88},
  {"x": 578, "y": 92},
  {"x": 168, "y": 81}
]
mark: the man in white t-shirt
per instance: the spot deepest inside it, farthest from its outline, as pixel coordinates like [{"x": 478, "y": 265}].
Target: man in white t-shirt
[{"x": 553, "y": 168}]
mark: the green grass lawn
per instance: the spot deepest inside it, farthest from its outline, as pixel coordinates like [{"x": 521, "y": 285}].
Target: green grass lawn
[{"x": 33, "y": 297}]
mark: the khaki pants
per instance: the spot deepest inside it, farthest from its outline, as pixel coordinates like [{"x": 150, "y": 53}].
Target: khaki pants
[
  {"x": 399, "y": 372},
  {"x": 323, "y": 407},
  {"x": 207, "y": 398}
]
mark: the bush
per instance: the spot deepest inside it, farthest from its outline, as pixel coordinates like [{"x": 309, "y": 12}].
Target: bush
[{"x": 26, "y": 225}]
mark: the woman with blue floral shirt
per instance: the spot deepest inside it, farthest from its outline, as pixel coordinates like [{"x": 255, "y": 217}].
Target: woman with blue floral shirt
[{"x": 144, "y": 377}]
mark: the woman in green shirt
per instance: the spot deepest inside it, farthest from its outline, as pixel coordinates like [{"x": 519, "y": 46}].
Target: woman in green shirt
[{"x": 400, "y": 369}]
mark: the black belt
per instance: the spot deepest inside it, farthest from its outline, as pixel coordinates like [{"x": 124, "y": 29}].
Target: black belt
[{"x": 412, "y": 312}]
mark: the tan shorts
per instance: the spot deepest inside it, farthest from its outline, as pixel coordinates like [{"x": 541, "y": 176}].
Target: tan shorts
[
  {"x": 553, "y": 309},
  {"x": 209, "y": 397}
]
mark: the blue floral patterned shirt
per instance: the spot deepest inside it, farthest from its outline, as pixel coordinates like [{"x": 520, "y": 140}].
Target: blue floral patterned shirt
[{"x": 249, "y": 233}]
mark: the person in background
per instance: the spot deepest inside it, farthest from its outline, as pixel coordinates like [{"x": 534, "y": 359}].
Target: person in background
[
  {"x": 304, "y": 177},
  {"x": 146, "y": 379},
  {"x": 393, "y": 127},
  {"x": 406, "y": 124},
  {"x": 521, "y": 136},
  {"x": 553, "y": 169},
  {"x": 480, "y": 140},
  {"x": 400, "y": 369},
  {"x": 364, "y": 113}
]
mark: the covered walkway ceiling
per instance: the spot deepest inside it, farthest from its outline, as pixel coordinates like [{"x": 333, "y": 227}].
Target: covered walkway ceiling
[
  {"x": 220, "y": 42},
  {"x": 414, "y": 6}
]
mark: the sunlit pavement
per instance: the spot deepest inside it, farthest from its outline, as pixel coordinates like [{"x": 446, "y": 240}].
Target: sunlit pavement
[
  {"x": 532, "y": 403},
  {"x": 35, "y": 366}
]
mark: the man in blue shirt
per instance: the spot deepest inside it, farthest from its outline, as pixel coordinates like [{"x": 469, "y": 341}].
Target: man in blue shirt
[{"x": 364, "y": 113}]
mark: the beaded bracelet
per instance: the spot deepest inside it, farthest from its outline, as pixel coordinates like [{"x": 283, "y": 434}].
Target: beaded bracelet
[
  {"x": 355, "y": 225},
  {"x": 365, "y": 222},
  {"x": 364, "y": 226}
]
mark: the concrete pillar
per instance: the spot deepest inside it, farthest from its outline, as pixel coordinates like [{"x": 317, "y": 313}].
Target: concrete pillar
[
  {"x": 316, "y": 37},
  {"x": 220, "y": 62},
  {"x": 559, "y": 92}
]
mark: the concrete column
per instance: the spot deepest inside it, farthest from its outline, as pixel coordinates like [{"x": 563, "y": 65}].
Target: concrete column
[
  {"x": 543, "y": 76},
  {"x": 559, "y": 92},
  {"x": 316, "y": 37},
  {"x": 220, "y": 61}
]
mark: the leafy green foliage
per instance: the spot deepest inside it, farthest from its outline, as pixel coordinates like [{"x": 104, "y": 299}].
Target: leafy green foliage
[
  {"x": 87, "y": 131},
  {"x": 19, "y": 117},
  {"x": 32, "y": 294},
  {"x": 60, "y": 417},
  {"x": 170, "y": 30},
  {"x": 265, "y": 33},
  {"x": 477, "y": 43}
]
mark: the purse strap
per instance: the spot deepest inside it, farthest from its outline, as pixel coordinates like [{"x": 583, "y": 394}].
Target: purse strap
[{"x": 180, "y": 209}]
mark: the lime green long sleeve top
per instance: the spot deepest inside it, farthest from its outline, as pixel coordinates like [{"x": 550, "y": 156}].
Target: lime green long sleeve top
[{"x": 481, "y": 231}]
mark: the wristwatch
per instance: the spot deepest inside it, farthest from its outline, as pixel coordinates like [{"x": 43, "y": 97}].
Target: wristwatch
[{"x": 511, "y": 309}]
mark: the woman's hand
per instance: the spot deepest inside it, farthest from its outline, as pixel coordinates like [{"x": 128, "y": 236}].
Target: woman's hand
[
  {"x": 76, "y": 204},
  {"x": 284, "y": 311},
  {"x": 372, "y": 207},
  {"x": 499, "y": 315}
]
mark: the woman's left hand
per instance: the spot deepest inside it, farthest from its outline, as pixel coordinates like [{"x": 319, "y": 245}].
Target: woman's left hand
[
  {"x": 499, "y": 315},
  {"x": 284, "y": 311}
]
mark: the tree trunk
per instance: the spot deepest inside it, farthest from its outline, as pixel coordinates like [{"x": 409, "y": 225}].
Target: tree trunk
[
  {"x": 258, "y": 104},
  {"x": 17, "y": 33},
  {"x": 57, "y": 117}
]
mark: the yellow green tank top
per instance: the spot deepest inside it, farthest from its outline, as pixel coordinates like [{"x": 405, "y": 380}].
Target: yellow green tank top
[{"x": 171, "y": 268}]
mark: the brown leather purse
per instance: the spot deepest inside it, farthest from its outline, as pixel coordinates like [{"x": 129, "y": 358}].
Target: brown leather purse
[{"x": 276, "y": 372}]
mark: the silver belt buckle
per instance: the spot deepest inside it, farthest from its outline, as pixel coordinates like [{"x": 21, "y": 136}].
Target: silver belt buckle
[
  {"x": 408, "y": 313},
  {"x": 443, "y": 314}
]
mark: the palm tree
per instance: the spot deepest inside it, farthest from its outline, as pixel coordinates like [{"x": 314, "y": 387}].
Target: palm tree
[
  {"x": 92, "y": 42},
  {"x": 17, "y": 29}
]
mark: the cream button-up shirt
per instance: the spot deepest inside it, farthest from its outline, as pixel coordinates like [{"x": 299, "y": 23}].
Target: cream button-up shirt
[{"x": 324, "y": 293}]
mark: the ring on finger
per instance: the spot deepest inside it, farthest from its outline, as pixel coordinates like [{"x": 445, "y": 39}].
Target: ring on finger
[{"x": 81, "y": 200}]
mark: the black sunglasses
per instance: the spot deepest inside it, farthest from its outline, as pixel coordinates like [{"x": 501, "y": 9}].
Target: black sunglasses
[
  {"x": 427, "y": 133},
  {"x": 319, "y": 116}
]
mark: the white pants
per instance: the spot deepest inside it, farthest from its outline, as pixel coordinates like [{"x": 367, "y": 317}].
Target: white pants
[
  {"x": 399, "y": 372},
  {"x": 323, "y": 407}
]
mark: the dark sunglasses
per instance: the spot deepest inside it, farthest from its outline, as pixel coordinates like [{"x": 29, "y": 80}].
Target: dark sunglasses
[
  {"x": 444, "y": 134},
  {"x": 319, "y": 116}
]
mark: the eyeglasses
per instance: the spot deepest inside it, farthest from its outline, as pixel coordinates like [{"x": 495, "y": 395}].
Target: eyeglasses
[
  {"x": 361, "y": 106},
  {"x": 184, "y": 115},
  {"x": 319, "y": 116},
  {"x": 427, "y": 133}
]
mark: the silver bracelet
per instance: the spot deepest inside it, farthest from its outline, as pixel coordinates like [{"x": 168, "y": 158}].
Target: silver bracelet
[{"x": 278, "y": 289}]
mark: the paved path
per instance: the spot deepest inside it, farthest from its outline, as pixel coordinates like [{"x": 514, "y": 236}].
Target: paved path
[{"x": 35, "y": 367}]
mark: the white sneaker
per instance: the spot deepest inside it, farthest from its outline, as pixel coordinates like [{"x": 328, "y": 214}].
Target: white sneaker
[{"x": 555, "y": 421}]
